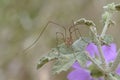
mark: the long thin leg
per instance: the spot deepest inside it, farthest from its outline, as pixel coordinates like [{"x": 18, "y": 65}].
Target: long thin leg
[
  {"x": 71, "y": 28},
  {"x": 76, "y": 29},
  {"x": 40, "y": 34},
  {"x": 81, "y": 36}
]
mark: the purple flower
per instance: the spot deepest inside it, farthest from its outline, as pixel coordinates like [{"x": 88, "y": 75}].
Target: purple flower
[
  {"x": 108, "y": 50},
  {"x": 80, "y": 73}
]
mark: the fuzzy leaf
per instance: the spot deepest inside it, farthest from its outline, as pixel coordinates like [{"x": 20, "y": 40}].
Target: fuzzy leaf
[
  {"x": 64, "y": 49},
  {"x": 81, "y": 58},
  {"x": 80, "y": 44},
  {"x": 65, "y": 60},
  {"x": 66, "y": 55},
  {"x": 79, "y": 47},
  {"x": 55, "y": 53},
  {"x": 108, "y": 39},
  {"x": 64, "y": 63},
  {"x": 52, "y": 55}
]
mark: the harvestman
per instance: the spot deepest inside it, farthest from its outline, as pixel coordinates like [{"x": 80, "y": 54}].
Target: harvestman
[{"x": 68, "y": 40}]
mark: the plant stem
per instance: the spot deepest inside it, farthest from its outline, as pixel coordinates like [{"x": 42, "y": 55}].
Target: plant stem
[
  {"x": 116, "y": 62},
  {"x": 93, "y": 29},
  {"x": 110, "y": 77},
  {"x": 94, "y": 62},
  {"x": 105, "y": 28},
  {"x": 101, "y": 54}
]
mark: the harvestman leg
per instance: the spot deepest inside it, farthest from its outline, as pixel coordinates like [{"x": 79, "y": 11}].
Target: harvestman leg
[
  {"x": 77, "y": 29},
  {"x": 40, "y": 34},
  {"x": 74, "y": 29}
]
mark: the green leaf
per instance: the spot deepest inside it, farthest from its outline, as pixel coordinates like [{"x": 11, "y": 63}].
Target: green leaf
[
  {"x": 63, "y": 63},
  {"x": 81, "y": 58},
  {"x": 108, "y": 39},
  {"x": 81, "y": 43},
  {"x": 65, "y": 60},
  {"x": 84, "y": 21},
  {"x": 79, "y": 48},
  {"x": 65, "y": 55},
  {"x": 52, "y": 55},
  {"x": 64, "y": 49}
]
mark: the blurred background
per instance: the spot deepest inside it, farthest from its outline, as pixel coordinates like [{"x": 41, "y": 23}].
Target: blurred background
[{"x": 21, "y": 21}]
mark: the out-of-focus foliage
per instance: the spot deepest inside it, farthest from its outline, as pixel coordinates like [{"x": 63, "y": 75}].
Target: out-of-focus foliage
[{"x": 22, "y": 20}]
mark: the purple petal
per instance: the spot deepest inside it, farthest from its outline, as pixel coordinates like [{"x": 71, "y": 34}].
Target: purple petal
[
  {"x": 109, "y": 52},
  {"x": 79, "y": 74},
  {"x": 76, "y": 65},
  {"x": 92, "y": 49}
]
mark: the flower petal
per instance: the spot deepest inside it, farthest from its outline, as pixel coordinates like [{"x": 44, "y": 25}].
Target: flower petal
[
  {"x": 79, "y": 74},
  {"x": 109, "y": 52},
  {"x": 92, "y": 49},
  {"x": 76, "y": 65}
]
